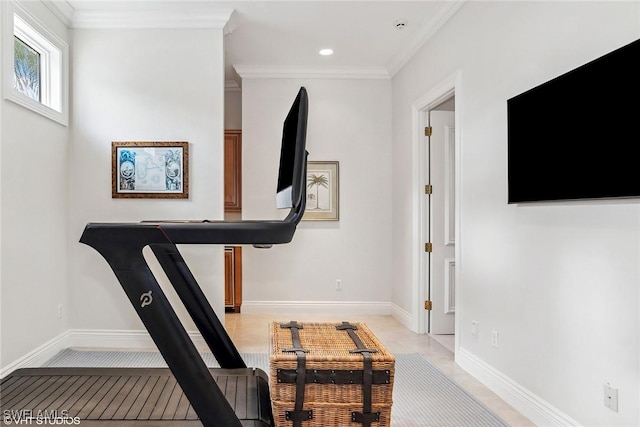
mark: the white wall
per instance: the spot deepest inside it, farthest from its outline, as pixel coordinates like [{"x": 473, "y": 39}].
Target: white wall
[
  {"x": 233, "y": 109},
  {"x": 33, "y": 221},
  {"x": 142, "y": 85},
  {"x": 349, "y": 121},
  {"x": 558, "y": 281}
]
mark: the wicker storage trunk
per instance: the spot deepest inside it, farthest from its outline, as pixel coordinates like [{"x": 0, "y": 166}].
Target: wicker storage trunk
[{"x": 347, "y": 380}]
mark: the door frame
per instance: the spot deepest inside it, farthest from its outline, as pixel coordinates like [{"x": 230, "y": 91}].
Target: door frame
[{"x": 452, "y": 85}]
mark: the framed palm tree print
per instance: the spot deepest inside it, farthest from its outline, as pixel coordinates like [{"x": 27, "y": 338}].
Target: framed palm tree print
[{"x": 323, "y": 199}]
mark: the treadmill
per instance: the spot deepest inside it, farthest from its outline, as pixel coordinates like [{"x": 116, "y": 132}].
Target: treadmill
[{"x": 188, "y": 392}]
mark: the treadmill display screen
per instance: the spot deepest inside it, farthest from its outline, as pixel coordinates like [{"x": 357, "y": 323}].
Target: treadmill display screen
[{"x": 293, "y": 139}]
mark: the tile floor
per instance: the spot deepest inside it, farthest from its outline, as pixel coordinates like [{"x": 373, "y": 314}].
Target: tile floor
[{"x": 250, "y": 333}]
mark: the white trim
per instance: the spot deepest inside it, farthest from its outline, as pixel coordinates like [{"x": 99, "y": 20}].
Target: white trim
[
  {"x": 441, "y": 17},
  {"x": 343, "y": 308},
  {"x": 38, "y": 356},
  {"x": 449, "y": 285},
  {"x": 132, "y": 340},
  {"x": 418, "y": 294},
  {"x": 123, "y": 339},
  {"x": 146, "y": 18},
  {"x": 402, "y": 316},
  {"x": 138, "y": 15},
  {"x": 61, "y": 9},
  {"x": 527, "y": 403},
  {"x": 276, "y": 72},
  {"x": 112, "y": 339},
  {"x": 100, "y": 339},
  {"x": 449, "y": 186},
  {"x": 232, "y": 86}
]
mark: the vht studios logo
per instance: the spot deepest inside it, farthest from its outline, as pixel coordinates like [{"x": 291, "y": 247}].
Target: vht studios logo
[{"x": 41, "y": 418}]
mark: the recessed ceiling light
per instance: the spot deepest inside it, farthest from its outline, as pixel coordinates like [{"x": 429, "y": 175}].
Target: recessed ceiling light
[{"x": 326, "y": 52}]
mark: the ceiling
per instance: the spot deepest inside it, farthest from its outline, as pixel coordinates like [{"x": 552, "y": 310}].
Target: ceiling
[{"x": 373, "y": 38}]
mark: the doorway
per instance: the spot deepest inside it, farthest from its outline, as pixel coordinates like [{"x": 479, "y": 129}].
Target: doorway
[
  {"x": 440, "y": 221},
  {"x": 436, "y": 120},
  {"x": 439, "y": 216}
]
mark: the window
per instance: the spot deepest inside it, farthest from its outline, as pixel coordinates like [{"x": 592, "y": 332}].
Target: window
[
  {"x": 26, "y": 69},
  {"x": 35, "y": 65}
]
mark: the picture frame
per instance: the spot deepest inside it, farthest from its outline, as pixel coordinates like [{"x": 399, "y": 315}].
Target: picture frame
[
  {"x": 150, "y": 170},
  {"x": 323, "y": 185}
]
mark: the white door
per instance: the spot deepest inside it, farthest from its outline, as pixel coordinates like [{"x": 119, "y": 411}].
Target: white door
[{"x": 441, "y": 229}]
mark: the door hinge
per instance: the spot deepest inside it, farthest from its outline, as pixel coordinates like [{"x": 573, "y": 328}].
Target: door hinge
[
  {"x": 428, "y": 130},
  {"x": 428, "y": 247},
  {"x": 428, "y": 305},
  {"x": 428, "y": 189}
]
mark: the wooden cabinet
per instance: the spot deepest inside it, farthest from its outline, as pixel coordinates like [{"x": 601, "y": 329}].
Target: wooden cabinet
[
  {"x": 232, "y": 170},
  {"x": 233, "y": 278},
  {"x": 233, "y": 205}
]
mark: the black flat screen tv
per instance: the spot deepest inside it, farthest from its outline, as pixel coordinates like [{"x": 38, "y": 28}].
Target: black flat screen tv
[{"x": 576, "y": 137}]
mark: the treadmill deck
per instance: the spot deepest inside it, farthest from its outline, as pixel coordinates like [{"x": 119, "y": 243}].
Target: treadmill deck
[{"x": 120, "y": 397}]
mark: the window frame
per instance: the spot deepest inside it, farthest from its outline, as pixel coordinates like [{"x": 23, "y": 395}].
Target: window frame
[{"x": 54, "y": 60}]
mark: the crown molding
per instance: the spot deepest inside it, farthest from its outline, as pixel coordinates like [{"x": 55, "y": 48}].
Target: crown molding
[
  {"x": 61, "y": 9},
  {"x": 163, "y": 15},
  {"x": 275, "y": 72},
  {"x": 232, "y": 86},
  {"x": 149, "y": 19},
  {"x": 438, "y": 20}
]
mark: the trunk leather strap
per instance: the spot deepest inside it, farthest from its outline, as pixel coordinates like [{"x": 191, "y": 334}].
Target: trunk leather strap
[
  {"x": 366, "y": 417},
  {"x": 297, "y": 415}
]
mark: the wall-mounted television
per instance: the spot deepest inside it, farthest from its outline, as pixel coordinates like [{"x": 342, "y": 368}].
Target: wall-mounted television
[{"x": 578, "y": 136}]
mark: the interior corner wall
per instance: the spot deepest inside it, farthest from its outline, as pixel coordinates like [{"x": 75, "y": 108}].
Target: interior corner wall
[
  {"x": 558, "y": 281},
  {"x": 143, "y": 85},
  {"x": 349, "y": 122},
  {"x": 33, "y": 221},
  {"x": 233, "y": 109}
]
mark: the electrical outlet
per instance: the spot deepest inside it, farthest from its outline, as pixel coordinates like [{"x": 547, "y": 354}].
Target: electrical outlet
[
  {"x": 611, "y": 397},
  {"x": 494, "y": 338},
  {"x": 60, "y": 311},
  {"x": 474, "y": 328},
  {"x": 338, "y": 284}
]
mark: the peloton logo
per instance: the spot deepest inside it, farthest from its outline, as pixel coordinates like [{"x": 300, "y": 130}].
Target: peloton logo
[{"x": 146, "y": 299}]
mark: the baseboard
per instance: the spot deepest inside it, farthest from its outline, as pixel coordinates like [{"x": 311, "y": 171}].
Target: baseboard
[
  {"x": 403, "y": 316},
  {"x": 38, "y": 356},
  {"x": 141, "y": 341},
  {"x": 337, "y": 308},
  {"x": 131, "y": 340},
  {"x": 528, "y": 404},
  {"x": 93, "y": 339}
]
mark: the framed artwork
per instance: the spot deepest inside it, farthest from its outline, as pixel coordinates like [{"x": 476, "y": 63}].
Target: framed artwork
[
  {"x": 322, "y": 192},
  {"x": 150, "y": 170}
]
